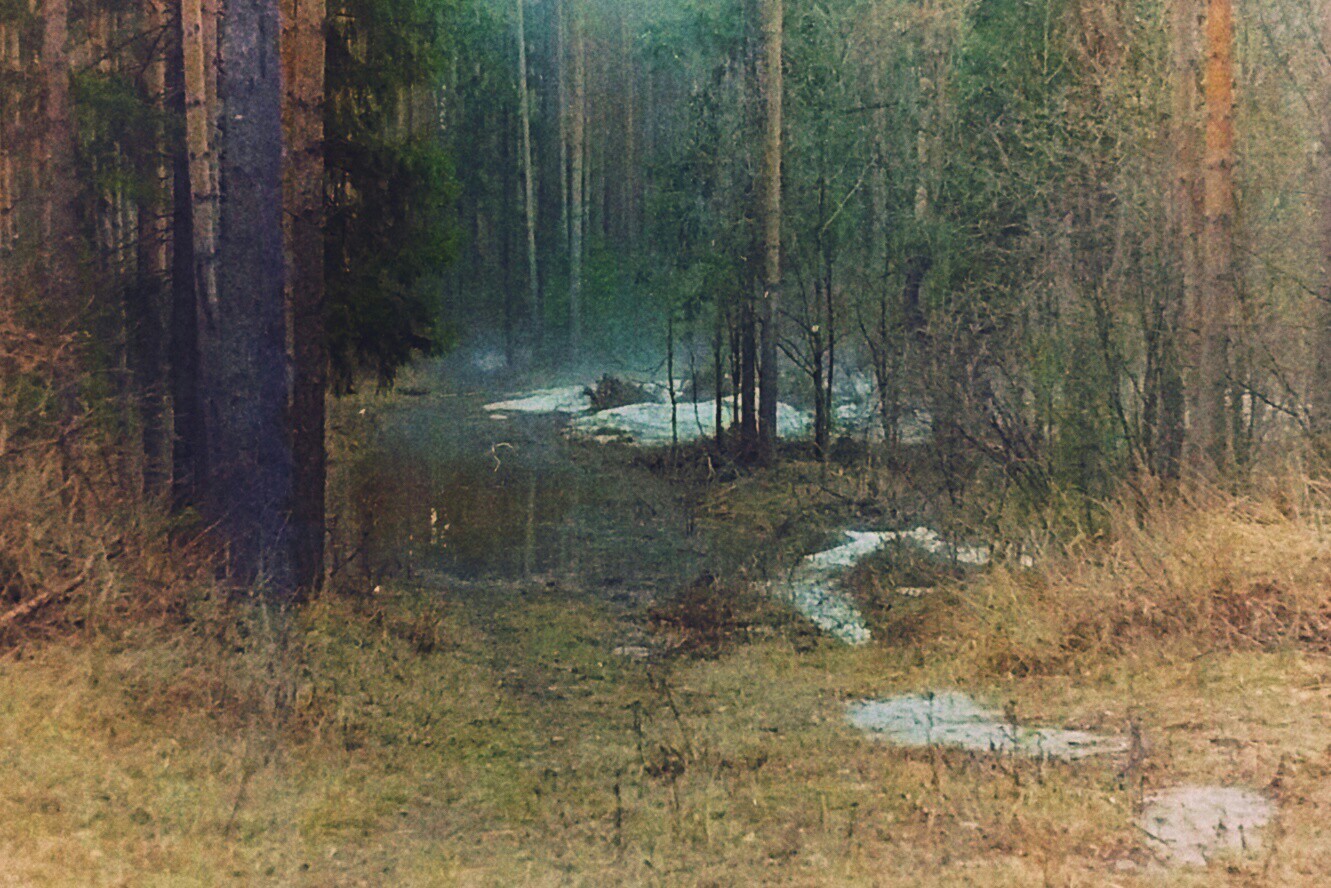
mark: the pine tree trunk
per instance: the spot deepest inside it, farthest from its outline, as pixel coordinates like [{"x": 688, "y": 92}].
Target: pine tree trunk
[
  {"x": 561, "y": 73},
  {"x": 772, "y": 91},
  {"x": 59, "y": 245},
  {"x": 1217, "y": 294},
  {"x": 144, "y": 309},
  {"x": 1319, "y": 396},
  {"x": 629, "y": 184},
  {"x": 303, "y": 51},
  {"x": 8, "y": 65},
  {"x": 577, "y": 181},
  {"x": 1167, "y": 395},
  {"x": 504, "y": 219},
  {"x": 243, "y": 342},
  {"x": 191, "y": 71},
  {"x": 534, "y": 307}
]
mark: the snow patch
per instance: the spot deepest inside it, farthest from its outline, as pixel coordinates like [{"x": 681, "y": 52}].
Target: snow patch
[
  {"x": 650, "y": 424},
  {"x": 1188, "y": 825},
  {"x": 566, "y": 399},
  {"x": 812, "y": 585},
  {"x": 955, "y": 719}
]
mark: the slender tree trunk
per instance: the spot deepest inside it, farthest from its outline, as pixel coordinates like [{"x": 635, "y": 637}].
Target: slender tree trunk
[
  {"x": 751, "y": 277},
  {"x": 1218, "y": 290},
  {"x": 719, "y": 369},
  {"x": 59, "y": 244},
  {"x": 1167, "y": 396},
  {"x": 504, "y": 219},
  {"x": 528, "y": 181},
  {"x": 8, "y": 123},
  {"x": 303, "y": 48},
  {"x": 183, "y": 359},
  {"x": 748, "y": 373},
  {"x": 1319, "y": 396},
  {"x": 144, "y": 309},
  {"x": 577, "y": 181},
  {"x": 829, "y": 325},
  {"x": 629, "y": 184},
  {"x": 561, "y": 78},
  {"x": 194, "y": 281},
  {"x": 243, "y": 339},
  {"x": 772, "y": 91},
  {"x": 818, "y": 356}
]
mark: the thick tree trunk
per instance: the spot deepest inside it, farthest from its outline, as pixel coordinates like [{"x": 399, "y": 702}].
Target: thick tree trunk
[
  {"x": 772, "y": 92},
  {"x": 577, "y": 180},
  {"x": 534, "y": 308},
  {"x": 1218, "y": 289},
  {"x": 245, "y": 367},
  {"x": 303, "y": 50}
]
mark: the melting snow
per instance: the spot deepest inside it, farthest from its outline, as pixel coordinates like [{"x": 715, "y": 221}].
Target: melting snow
[
  {"x": 812, "y": 585},
  {"x": 651, "y": 424},
  {"x": 955, "y": 719},
  {"x": 568, "y": 399},
  {"x": 1188, "y": 825}
]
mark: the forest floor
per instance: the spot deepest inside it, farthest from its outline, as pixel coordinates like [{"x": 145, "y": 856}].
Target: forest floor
[{"x": 553, "y": 663}]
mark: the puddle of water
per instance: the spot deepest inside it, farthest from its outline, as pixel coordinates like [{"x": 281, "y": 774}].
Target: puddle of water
[
  {"x": 955, "y": 719},
  {"x": 1188, "y": 825},
  {"x": 465, "y": 518}
]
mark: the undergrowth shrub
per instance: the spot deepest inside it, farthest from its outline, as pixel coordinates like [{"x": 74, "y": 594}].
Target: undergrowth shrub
[
  {"x": 78, "y": 545},
  {"x": 1211, "y": 571}
]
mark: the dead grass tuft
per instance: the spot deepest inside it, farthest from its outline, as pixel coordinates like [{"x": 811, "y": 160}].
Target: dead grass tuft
[
  {"x": 84, "y": 549},
  {"x": 1212, "y": 572},
  {"x": 708, "y": 617}
]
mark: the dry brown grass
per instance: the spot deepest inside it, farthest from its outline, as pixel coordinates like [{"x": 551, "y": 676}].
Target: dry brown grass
[
  {"x": 454, "y": 735},
  {"x": 79, "y": 545},
  {"x": 1215, "y": 572}
]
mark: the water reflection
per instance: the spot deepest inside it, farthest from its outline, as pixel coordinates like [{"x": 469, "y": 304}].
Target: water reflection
[{"x": 471, "y": 517}]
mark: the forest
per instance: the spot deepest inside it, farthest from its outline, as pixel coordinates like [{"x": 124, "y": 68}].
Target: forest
[{"x": 665, "y": 442}]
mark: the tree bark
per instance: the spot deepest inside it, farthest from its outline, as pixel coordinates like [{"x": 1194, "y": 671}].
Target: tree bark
[
  {"x": 561, "y": 85},
  {"x": 577, "y": 183},
  {"x": 245, "y": 366},
  {"x": 1167, "y": 395},
  {"x": 10, "y": 68},
  {"x": 193, "y": 280},
  {"x": 144, "y": 309},
  {"x": 1319, "y": 396},
  {"x": 1218, "y": 290},
  {"x": 534, "y": 308},
  {"x": 59, "y": 246},
  {"x": 772, "y": 91},
  {"x": 303, "y": 51}
]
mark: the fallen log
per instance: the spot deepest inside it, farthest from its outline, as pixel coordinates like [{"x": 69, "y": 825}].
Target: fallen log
[{"x": 36, "y": 603}]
